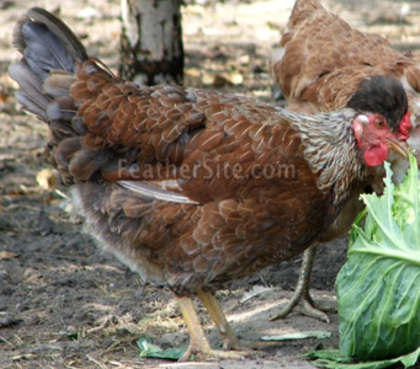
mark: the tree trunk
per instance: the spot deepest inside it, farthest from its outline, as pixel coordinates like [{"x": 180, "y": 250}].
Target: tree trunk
[{"x": 151, "y": 41}]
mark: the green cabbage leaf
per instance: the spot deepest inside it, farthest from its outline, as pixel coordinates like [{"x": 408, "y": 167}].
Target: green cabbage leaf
[{"x": 378, "y": 289}]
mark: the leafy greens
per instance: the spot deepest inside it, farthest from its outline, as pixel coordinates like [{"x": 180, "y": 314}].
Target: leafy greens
[{"x": 378, "y": 289}]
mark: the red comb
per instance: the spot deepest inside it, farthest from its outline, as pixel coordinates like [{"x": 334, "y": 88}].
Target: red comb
[{"x": 404, "y": 127}]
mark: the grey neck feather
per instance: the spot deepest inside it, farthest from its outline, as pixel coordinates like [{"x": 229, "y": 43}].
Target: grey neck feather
[{"x": 330, "y": 149}]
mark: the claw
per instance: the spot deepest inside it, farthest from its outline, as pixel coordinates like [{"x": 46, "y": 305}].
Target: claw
[
  {"x": 199, "y": 345},
  {"x": 301, "y": 297}
]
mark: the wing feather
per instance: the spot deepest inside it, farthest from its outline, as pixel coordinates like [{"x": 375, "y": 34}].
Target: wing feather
[{"x": 147, "y": 189}]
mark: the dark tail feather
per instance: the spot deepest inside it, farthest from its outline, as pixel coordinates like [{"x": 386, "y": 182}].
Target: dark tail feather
[
  {"x": 47, "y": 43},
  {"x": 50, "y": 50},
  {"x": 51, "y": 56},
  {"x": 30, "y": 94}
]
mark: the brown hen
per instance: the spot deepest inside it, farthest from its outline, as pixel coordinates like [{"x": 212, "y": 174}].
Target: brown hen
[
  {"x": 321, "y": 60},
  {"x": 192, "y": 188},
  {"x": 322, "y": 64}
]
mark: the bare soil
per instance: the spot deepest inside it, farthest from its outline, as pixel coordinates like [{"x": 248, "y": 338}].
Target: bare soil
[{"x": 66, "y": 304}]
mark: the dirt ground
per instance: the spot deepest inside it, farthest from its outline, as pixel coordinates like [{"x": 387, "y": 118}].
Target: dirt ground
[{"x": 66, "y": 304}]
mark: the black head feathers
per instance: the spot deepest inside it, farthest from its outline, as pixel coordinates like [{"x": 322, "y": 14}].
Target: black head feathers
[{"x": 381, "y": 94}]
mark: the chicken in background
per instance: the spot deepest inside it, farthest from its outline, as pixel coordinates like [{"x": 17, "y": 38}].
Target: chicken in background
[
  {"x": 321, "y": 64},
  {"x": 193, "y": 188}
]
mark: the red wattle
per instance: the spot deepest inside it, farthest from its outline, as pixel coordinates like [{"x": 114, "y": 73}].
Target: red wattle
[{"x": 376, "y": 155}]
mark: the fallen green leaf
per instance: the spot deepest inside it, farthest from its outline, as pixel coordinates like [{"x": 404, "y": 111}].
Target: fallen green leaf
[
  {"x": 298, "y": 336},
  {"x": 333, "y": 359},
  {"x": 148, "y": 349}
]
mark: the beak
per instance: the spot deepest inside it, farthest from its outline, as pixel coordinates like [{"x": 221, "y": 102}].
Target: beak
[{"x": 400, "y": 147}]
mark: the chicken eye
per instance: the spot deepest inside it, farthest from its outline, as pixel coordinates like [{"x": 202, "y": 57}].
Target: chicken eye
[{"x": 379, "y": 123}]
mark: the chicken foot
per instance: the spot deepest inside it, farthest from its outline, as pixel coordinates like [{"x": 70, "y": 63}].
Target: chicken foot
[
  {"x": 199, "y": 344},
  {"x": 301, "y": 299},
  {"x": 230, "y": 341}
]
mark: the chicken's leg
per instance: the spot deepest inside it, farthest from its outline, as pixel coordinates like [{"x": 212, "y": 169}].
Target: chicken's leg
[
  {"x": 199, "y": 344},
  {"x": 230, "y": 341},
  {"x": 301, "y": 295}
]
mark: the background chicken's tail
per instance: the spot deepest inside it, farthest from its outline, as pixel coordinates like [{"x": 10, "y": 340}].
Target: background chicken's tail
[{"x": 50, "y": 50}]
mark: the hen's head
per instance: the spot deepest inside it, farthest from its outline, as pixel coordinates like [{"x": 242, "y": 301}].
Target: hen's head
[
  {"x": 386, "y": 123},
  {"x": 375, "y": 137}
]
